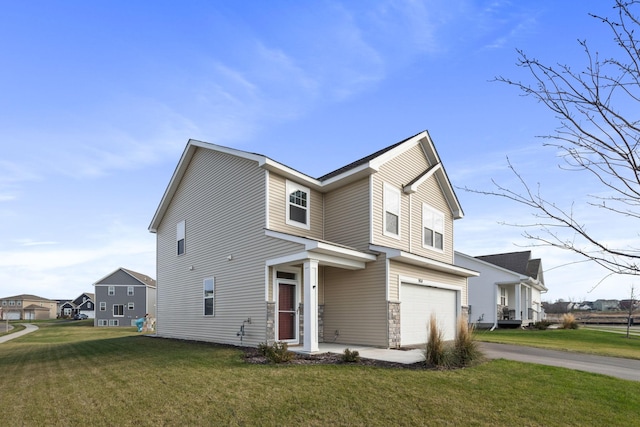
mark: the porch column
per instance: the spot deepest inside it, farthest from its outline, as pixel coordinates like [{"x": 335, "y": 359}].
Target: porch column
[
  {"x": 518, "y": 301},
  {"x": 310, "y": 316}
]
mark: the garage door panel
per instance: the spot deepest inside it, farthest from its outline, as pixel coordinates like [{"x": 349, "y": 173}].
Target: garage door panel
[{"x": 418, "y": 303}]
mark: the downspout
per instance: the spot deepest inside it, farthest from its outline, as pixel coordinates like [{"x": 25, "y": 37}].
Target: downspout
[{"x": 495, "y": 302}]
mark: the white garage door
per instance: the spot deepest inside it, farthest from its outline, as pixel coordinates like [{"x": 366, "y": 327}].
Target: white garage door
[{"x": 418, "y": 302}]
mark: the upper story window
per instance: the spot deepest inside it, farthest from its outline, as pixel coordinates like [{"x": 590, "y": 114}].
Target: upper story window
[
  {"x": 129, "y": 290},
  {"x": 103, "y": 306},
  {"x": 391, "y": 200},
  {"x": 180, "y": 237},
  {"x": 433, "y": 228},
  {"x": 298, "y": 205},
  {"x": 208, "y": 284},
  {"x": 111, "y": 290}
]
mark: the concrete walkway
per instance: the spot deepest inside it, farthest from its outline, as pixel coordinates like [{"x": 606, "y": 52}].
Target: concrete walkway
[
  {"x": 627, "y": 369},
  {"x": 28, "y": 328},
  {"x": 388, "y": 355}
]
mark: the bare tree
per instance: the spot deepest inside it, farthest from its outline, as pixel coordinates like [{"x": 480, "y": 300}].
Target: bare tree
[
  {"x": 599, "y": 134},
  {"x": 632, "y": 306}
]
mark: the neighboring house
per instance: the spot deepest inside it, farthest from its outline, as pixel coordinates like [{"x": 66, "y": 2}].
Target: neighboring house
[
  {"x": 508, "y": 291},
  {"x": 122, "y": 297},
  {"x": 28, "y": 307},
  {"x": 606, "y": 304},
  {"x": 64, "y": 308},
  {"x": 84, "y": 304},
  {"x": 250, "y": 250}
]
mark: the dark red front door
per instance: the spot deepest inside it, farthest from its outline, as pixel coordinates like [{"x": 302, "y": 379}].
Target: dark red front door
[{"x": 286, "y": 312}]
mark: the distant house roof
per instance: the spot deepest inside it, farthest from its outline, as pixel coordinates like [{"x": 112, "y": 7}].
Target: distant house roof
[
  {"x": 142, "y": 278},
  {"x": 519, "y": 262},
  {"x": 28, "y": 297}
]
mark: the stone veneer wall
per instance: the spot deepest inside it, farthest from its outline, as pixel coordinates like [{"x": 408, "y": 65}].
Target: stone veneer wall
[
  {"x": 394, "y": 324},
  {"x": 271, "y": 322}
]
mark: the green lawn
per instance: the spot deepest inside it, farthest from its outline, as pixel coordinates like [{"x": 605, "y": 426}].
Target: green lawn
[
  {"x": 581, "y": 340},
  {"x": 72, "y": 373}
]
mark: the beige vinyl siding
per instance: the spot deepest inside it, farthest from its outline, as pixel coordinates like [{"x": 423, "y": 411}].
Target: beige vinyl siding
[
  {"x": 355, "y": 304},
  {"x": 221, "y": 199},
  {"x": 431, "y": 194},
  {"x": 278, "y": 209},
  {"x": 398, "y": 172},
  {"x": 347, "y": 215},
  {"x": 397, "y": 269}
]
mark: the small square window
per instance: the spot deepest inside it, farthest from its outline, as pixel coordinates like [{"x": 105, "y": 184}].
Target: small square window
[{"x": 131, "y": 306}]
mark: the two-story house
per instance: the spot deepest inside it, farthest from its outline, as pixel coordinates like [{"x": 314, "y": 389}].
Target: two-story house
[
  {"x": 250, "y": 250},
  {"x": 27, "y": 307},
  {"x": 122, "y": 297}
]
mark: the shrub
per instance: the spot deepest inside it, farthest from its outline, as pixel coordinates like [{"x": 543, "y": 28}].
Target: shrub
[
  {"x": 465, "y": 348},
  {"x": 276, "y": 353},
  {"x": 350, "y": 356},
  {"x": 541, "y": 325},
  {"x": 435, "y": 351},
  {"x": 568, "y": 321}
]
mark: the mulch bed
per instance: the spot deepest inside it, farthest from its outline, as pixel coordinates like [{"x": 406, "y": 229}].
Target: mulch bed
[{"x": 251, "y": 355}]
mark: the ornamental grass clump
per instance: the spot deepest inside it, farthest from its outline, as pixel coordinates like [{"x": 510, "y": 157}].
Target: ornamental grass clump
[
  {"x": 568, "y": 321},
  {"x": 435, "y": 351},
  {"x": 465, "y": 348}
]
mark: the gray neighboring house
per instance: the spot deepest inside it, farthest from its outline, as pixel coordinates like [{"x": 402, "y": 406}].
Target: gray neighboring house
[{"x": 122, "y": 297}]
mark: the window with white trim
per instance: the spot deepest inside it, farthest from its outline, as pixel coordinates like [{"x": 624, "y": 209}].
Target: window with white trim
[
  {"x": 433, "y": 228},
  {"x": 131, "y": 306},
  {"x": 503, "y": 296},
  {"x": 391, "y": 220},
  {"x": 103, "y": 322},
  {"x": 114, "y": 322},
  {"x": 298, "y": 205},
  {"x": 180, "y": 237},
  {"x": 129, "y": 290},
  {"x": 103, "y": 306},
  {"x": 208, "y": 286},
  {"x": 118, "y": 310},
  {"x": 89, "y": 305},
  {"x": 111, "y": 290}
]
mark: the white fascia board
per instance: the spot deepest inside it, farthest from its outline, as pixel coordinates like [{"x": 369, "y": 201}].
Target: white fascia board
[
  {"x": 317, "y": 248},
  {"x": 409, "y": 189},
  {"x": 410, "y": 143},
  {"x": 287, "y": 172},
  {"x": 408, "y": 258},
  {"x": 323, "y": 259}
]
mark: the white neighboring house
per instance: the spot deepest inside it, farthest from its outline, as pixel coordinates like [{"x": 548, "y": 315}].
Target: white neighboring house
[{"x": 508, "y": 291}]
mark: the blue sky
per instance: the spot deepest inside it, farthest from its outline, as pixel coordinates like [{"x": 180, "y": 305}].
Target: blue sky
[{"x": 98, "y": 99}]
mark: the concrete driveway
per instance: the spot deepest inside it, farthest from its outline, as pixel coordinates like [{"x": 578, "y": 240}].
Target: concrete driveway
[
  {"x": 28, "y": 328},
  {"x": 628, "y": 369}
]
